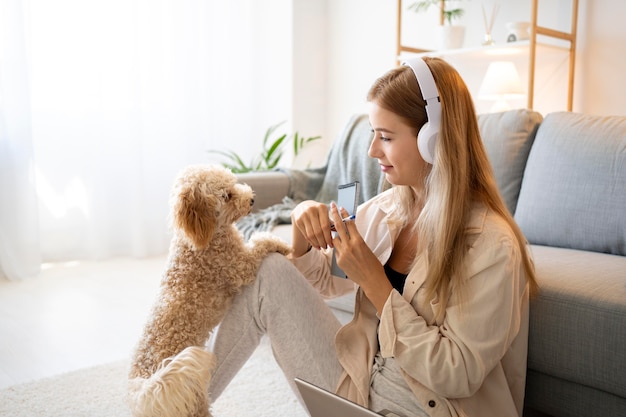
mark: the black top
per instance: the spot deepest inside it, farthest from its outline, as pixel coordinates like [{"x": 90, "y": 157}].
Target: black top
[{"x": 395, "y": 278}]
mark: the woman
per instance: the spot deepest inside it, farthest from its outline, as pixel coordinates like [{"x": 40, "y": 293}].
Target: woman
[{"x": 442, "y": 272}]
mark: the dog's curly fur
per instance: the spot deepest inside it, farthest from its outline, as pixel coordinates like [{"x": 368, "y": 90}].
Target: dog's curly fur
[{"x": 208, "y": 264}]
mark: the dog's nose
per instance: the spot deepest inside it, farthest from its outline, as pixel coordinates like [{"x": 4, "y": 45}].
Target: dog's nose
[{"x": 251, "y": 202}]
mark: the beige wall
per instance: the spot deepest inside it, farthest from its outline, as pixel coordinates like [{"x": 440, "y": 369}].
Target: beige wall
[
  {"x": 359, "y": 45},
  {"x": 601, "y": 61}
]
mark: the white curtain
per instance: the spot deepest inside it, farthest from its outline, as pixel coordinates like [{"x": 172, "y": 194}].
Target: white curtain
[
  {"x": 19, "y": 232},
  {"x": 103, "y": 102}
]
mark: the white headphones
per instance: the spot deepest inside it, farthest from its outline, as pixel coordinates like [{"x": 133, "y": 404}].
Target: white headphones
[{"x": 427, "y": 136}]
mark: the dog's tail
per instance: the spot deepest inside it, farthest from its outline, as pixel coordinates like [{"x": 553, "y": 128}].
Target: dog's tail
[{"x": 178, "y": 388}]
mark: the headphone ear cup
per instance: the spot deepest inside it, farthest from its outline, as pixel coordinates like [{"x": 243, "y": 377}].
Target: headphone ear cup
[
  {"x": 427, "y": 136},
  {"x": 426, "y": 141}
]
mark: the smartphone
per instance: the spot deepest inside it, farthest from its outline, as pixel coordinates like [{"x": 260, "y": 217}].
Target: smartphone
[{"x": 348, "y": 198}]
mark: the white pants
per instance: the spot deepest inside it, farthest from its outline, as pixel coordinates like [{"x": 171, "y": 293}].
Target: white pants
[{"x": 301, "y": 328}]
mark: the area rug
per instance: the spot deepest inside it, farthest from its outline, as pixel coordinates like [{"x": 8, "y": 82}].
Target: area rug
[{"x": 259, "y": 390}]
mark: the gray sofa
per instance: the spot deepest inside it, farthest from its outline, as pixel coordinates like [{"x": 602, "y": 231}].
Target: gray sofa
[{"x": 564, "y": 178}]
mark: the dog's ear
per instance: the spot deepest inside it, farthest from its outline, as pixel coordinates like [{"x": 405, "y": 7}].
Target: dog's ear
[{"x": 194, "y": 213}]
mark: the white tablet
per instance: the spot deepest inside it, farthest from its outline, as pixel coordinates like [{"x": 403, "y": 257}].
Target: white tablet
[{"x": 322, "y": 403}]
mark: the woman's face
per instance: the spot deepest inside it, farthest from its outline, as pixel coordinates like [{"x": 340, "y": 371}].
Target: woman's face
[{"x": 395, "y": 147}]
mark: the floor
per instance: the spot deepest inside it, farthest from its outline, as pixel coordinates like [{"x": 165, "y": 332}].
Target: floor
[
  {"x": 77, "y": 315},
  {"x": 74, "y": 315}
]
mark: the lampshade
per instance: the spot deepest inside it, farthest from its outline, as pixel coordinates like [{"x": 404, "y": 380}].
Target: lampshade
[{"x": 501, "y": 81}]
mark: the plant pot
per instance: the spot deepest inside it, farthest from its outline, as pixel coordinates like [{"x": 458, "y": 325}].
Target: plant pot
[{"x": 451, "y": 36}]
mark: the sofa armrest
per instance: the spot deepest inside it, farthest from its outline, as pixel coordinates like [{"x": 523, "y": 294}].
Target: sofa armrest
[{"x": 270, "y": 187}]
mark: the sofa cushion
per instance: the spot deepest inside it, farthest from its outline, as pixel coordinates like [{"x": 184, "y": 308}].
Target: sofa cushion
[
  {"x": 578, "y": 321},
  {"x": 574, "y": 189},
  {"x": 558, "y": 397},
  {"x": 508, "y": 137}
]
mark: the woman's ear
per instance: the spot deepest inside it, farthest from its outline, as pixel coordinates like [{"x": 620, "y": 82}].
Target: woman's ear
[{"x": 194, "y": 214}]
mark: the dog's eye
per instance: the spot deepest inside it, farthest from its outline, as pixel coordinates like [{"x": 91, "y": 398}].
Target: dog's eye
[{"x": 227, "y": 195}]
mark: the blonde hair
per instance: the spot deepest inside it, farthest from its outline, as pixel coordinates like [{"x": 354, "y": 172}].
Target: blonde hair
[{"x": 460, "y": 175}]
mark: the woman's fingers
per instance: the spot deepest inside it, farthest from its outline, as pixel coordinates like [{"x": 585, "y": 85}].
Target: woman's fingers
[
  {"x": 337, "y": 216},
  {"x": 313, "y": 222}
]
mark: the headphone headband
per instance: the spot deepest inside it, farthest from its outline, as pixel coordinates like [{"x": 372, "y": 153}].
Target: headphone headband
[{"x": 424, "y": 78}]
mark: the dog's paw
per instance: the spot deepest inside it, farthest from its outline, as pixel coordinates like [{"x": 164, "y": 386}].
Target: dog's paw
[{"x": 270, "y": 243}]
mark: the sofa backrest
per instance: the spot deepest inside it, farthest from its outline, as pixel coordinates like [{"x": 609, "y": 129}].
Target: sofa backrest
[
  {"x": 508, "y": 137},
  {"x": 574, "y": 190}
]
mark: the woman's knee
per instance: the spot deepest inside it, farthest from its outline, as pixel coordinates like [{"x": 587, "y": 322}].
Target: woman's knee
[
  {"x": 275, "y": 261},
  {"x": 276, "y": 267},
  {"x": 280, "y": 281}
]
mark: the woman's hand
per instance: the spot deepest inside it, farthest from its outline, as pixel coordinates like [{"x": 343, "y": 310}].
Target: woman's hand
[
  {"x": 357, "y": 260},
  {"x": 311, "y": 226}
]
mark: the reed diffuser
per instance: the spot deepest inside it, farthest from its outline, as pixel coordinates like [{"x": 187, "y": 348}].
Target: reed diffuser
[{"x": 489, "y": 24}]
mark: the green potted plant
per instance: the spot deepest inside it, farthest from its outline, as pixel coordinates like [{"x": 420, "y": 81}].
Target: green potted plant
[
  {"x": 449, "y": 14},
  {"x": 451, "y": 35},
  {"x": 271, "y": 153}
]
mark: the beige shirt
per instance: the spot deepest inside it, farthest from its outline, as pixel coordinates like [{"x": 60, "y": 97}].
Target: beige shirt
[{"x": 473, "y": 362}]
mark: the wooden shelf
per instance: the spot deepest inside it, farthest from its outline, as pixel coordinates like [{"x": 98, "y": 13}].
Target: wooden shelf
[
  {"x": 528, "y": 50},
  {"x": 511, "y": 49}
]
